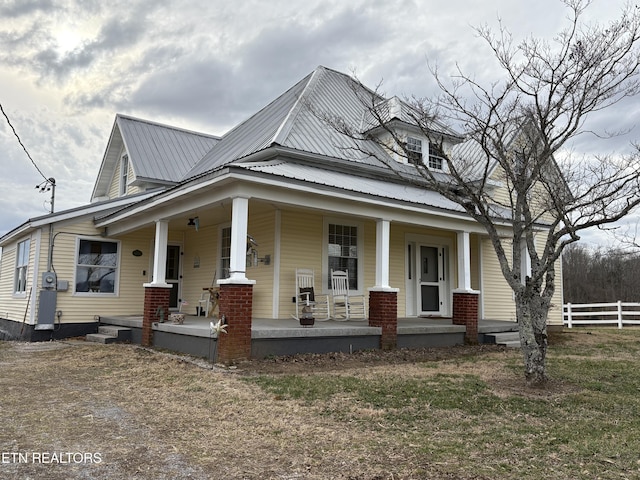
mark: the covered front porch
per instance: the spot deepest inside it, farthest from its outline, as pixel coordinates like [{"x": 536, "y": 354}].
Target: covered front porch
[{"x": 278, "y": 337}]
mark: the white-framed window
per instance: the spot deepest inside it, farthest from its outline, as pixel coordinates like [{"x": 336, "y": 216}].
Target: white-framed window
[
  {"x": 22, "y": 266},
  {"x": 414, "y": 150},
  {"x": 436, "y": 157},
  {"x": 97, "y": 264},
  {"x": 343, "y": 250},
  {"x": 124, "y": 174},
  {"x": 225, "y": 252}
]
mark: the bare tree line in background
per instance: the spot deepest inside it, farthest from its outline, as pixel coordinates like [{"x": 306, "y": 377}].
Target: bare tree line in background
[{"x": 601, "y": 275}]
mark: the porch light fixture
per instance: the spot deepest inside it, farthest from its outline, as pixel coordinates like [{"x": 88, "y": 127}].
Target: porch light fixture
[
  {"x": 136, "y": 253},
  {"x": 194, "y": 222}
]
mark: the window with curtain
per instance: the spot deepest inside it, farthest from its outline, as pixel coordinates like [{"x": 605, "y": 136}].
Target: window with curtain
[{"x": 96, "y": 266}]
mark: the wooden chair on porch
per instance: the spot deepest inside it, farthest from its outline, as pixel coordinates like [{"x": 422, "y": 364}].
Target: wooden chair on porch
[
  {"x": 307, "y": 300},
  {"x": 346, "y": 306}
]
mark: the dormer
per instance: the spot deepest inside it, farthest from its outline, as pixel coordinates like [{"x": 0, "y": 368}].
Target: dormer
[{"x": 409, "y": 136}]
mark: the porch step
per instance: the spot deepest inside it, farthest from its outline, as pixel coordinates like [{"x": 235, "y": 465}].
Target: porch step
[
  {"x": 110, "y": 334},
  {"x": 508, "y": 339},
  {"x": 100, "y": 338}
]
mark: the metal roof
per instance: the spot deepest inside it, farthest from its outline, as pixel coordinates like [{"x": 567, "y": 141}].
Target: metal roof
[
  {"x": 368, "y": 186},
  {"x": 295, "y": 120},
  {"x": 161, "y": 152}
]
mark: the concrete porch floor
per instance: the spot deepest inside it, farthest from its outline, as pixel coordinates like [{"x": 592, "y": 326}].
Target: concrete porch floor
[{"x": 289, "y": 327}]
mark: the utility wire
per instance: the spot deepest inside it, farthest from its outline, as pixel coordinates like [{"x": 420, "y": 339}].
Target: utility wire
[{"x": 22, "y": 144}]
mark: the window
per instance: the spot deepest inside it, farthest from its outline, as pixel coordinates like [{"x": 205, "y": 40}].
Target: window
[
  {"x": 22, "y": 266},
  {"x": 96, "y": 266},
  {"x": 436, "y": 157},
  {"x": 124, "y": 174},
  {"x": 343, "y": 252},
  {"x": 225, "y": 252},
  {"x": 414, "y": 150}
]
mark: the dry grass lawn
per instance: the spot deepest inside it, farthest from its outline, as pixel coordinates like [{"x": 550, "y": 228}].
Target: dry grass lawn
[{"x": 153, "y": 415}]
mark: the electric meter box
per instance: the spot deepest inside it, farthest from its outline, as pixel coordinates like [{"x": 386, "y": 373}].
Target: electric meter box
[{"x": 49, "y": 280}]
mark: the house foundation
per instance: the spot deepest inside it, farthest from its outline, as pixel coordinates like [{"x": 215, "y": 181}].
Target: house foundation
[
  {"x": 236, "y": 305},
  {"x": 383, "y": 313},
  {"x": 465, "y": 312}
]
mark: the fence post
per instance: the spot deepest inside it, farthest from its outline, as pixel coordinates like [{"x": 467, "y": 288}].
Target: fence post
[
  {"x": 619, "y": 314},
  {"x": 568, "y": 305}
]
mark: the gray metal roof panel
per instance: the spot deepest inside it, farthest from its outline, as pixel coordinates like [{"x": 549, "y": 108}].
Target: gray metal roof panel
[
  {"x": 254, "y": 134},
  {"x": 160, "y": 151},
  {"x": 295, "y": 120},
  {"x": 344, "y": 181}
]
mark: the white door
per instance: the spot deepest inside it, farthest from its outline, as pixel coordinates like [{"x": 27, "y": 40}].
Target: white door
[{"x": 430, "y": 280}]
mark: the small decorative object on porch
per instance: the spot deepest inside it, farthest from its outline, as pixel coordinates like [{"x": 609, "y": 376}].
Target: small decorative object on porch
[
  {"x": 176, "y": 318},
  {"x": 216, "y": 329},
  {"x": 306, "y": 319}
]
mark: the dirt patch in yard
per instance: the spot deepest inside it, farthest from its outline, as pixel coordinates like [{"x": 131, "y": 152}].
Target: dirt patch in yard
[{"x": 130, "y": 412}]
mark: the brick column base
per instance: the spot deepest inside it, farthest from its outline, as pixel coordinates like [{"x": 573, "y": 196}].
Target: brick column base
[
  {"x": 465, "y": 312},
  {"x": 383, "y": 312},
  {"x": 156, "y": 308},
  {"x": 236, "y": 304}
]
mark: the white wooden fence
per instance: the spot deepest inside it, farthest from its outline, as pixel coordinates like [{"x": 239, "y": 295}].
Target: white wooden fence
[{"x": 618, "y": 313}]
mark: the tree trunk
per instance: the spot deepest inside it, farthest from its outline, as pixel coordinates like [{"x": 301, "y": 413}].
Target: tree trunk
[{"x": 532, "y": 312}]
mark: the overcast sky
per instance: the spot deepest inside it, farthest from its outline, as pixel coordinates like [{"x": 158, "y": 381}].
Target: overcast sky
[{"x": 68, "y": 66}]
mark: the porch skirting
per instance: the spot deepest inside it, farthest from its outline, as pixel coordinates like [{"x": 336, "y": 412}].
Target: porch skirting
[{"x": 286, "y": 336}]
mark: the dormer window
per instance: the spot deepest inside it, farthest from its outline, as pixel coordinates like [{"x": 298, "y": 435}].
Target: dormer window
[
  {"x": 436, "y": 157},
  {"x": 414, "y": 150},
  {"x": 124, "y": 173}
]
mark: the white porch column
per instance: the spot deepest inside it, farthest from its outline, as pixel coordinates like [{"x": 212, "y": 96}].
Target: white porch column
[
  {"x": 160, "y": 255},
  {"x": 382, "y": 253},
  {"x": 464, "y": 262},
  {"x": 238, "y": 260},
  {"x": 383, "y": 228}
]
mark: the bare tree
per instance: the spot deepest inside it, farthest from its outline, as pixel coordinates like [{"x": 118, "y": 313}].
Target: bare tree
[
  {"x": 515, "y": 130},
  {"x": 600, "y": 275}
]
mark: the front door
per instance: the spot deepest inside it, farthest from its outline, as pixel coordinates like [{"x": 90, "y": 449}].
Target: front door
[
  {"x": 172, "y": 275},
  {"x": 431, "y": 278}
]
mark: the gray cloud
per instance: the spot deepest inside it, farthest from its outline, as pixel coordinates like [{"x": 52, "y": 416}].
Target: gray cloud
[
  {"x": 209, "y": 64},
  {"x": 19, "y": 8}
]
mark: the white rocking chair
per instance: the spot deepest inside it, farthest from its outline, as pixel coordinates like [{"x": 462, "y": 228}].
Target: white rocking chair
[
  {"x": 345, "y": 305},
  {"x": 308, "y": 302},
  {"x": 205, "y": 303}
]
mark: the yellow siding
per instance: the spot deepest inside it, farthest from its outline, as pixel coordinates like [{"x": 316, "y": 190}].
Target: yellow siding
[
  {"x": 16, "y": 307},
  {"x": 114, "y": 188},
  {"x": 501, "y": 194},
  {"x": 199, "y": 264},
  {"x": 301, "y": 247},
  {"x": 302, "y": 242},
  {"x": 398, "y": 266},
  {"x": 261, "y": 228},
  {"x": 369, "y": 258},
  {"x": 132, "y": 274},
  {"x": 130, "y": 190},
  {"x": 475, "y": 262},
  {"x": 497, "y": 296}
]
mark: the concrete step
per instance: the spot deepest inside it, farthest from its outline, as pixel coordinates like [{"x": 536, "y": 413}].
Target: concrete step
[
  {"x": 509, "y": 339},
  {"x": 100, "y": 338},
  {"x": 122, "y": 334}
]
